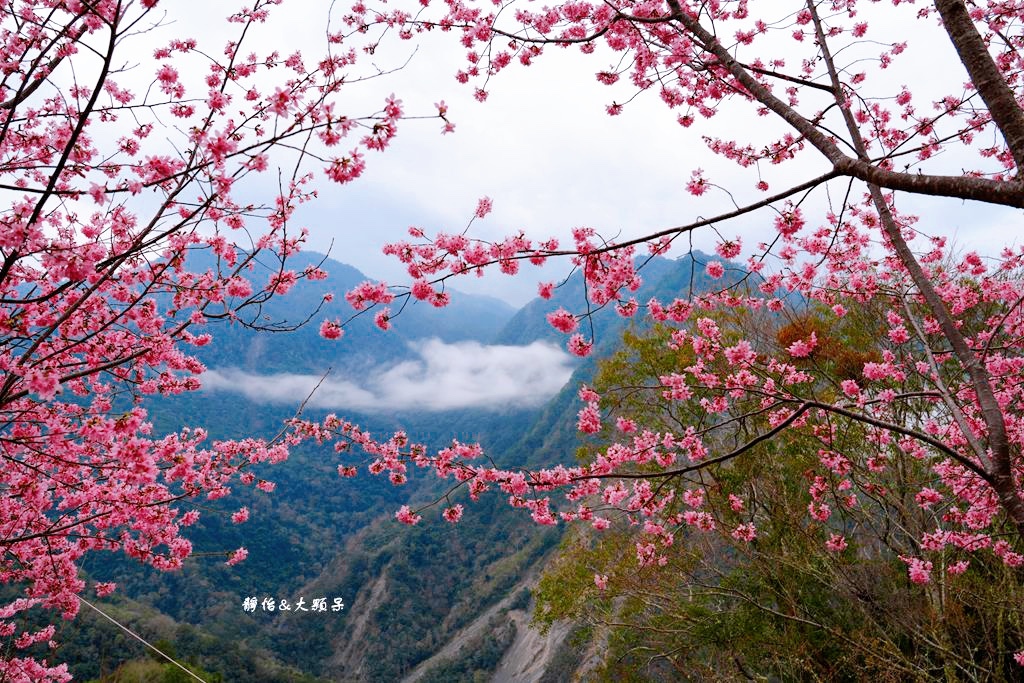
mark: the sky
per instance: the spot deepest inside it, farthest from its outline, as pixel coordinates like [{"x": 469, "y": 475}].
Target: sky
[
  {"x": 546, "y": 154},
  {"x": 544, "y": 150}
]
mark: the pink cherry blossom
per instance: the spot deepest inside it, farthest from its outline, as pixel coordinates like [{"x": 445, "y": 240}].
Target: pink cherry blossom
[
  {"x": 729, "y": 249},
  {"x": 918, "y": 570},
  {"x": 453, "y": 514},
  {"x": 579, "y": 346},
  {"x": 484, "y": 207},
  {"x": 836, "y": 543},
  {"x": 405, "y": 516},
  {"x": 803, "y": 347},
  {"x": 331, "y": 329},
  {"x": 715, "y": 269},
  {"x": 562, "y": 320},
  {"x": 237, "y": 556}
]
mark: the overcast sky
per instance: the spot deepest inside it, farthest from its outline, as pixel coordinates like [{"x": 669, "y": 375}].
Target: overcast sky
[{"x": 543, "y": 148}]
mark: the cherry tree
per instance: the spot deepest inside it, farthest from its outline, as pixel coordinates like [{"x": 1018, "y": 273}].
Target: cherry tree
[
  {"x": 827, "y": 99},
  {"x": 124, "y": 152},
  {"x": 816, "y": 557}
]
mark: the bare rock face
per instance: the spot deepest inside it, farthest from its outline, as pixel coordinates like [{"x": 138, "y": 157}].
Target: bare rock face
[
  {"x": 348, "y": 661},
  {"x": 528, "y": 657}
]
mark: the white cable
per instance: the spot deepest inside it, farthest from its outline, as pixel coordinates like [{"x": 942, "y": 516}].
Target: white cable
[{"x": 140, "y": 639}]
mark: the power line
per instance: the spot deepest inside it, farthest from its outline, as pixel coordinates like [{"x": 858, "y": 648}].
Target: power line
[{"x": 140, "y": 639}]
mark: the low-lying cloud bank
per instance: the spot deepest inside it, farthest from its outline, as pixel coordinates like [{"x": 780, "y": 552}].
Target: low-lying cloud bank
[{"x": 445, "y": 377}]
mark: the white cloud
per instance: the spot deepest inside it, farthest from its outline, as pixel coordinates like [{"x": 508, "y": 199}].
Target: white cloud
[{"x": 445, "y": 377}]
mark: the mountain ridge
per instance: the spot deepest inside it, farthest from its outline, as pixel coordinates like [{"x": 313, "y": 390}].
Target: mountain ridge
[{"x": 340, "y": 537}]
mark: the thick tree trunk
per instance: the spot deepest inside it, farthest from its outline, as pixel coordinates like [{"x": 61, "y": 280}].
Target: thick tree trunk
[{"x": 985, "y": 75}]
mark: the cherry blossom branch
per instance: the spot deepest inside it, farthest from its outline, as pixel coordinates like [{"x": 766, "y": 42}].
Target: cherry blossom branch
[
  {"x": 24, "y": 92},
  {"x": 999, "y": 473},
  {"x": 802, "y": 408},
  {"x": 787, "y": 77},
  {"x": 943, "y": 390},
  {"x": 56, "y": 529},
  {"x": 985, "y": 75},
  {"x": 979, "y": 189}
]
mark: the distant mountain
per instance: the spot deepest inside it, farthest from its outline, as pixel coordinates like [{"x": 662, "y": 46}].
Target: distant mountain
[
  {"x": 364, "y": 345},
  {"x": 422, "y": 587},
  {"x": 665, "y": 279},
  {"x": 410, "y": 592},
  {"x": 469, "y": 317}
]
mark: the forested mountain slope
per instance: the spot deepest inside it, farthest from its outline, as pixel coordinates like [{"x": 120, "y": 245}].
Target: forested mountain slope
[{"x": 407, "y": 591}]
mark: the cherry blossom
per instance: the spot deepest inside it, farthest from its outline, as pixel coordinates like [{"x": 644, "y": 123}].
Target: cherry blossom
[
  {"x": 123, "y": 160},
  {"x": 835, "y": 241}
]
